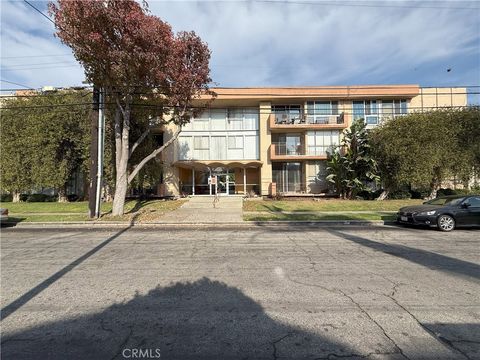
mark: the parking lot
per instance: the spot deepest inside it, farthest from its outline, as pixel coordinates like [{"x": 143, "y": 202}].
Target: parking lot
[{"x": 258, "y": 292}]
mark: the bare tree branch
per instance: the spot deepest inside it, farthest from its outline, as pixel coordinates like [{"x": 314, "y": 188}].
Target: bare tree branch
[
  {"x": 152, "y": 155},
  {"x": 138, "y": 142}
]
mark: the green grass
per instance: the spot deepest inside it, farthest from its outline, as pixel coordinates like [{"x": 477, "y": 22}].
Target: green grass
[
  {"x": 327, "y": 205},
  {"x": 316, "y": 217},
  {"x": 135, "y": 210}
]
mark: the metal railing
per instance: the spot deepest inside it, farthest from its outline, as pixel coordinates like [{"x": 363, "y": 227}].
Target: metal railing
[
  {"x": 285, "y": 118},
  {"x": 288, "y": 149}
]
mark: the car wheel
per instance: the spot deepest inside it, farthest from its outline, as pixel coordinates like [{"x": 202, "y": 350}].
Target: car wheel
[{"x": 446, "y": 223}]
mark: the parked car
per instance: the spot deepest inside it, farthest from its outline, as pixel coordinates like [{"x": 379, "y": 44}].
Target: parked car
[
  {"x": 446, "y": 213},
  {"x": 3, "y": 215}
]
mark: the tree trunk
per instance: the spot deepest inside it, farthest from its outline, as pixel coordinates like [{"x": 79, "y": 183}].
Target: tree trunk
[
  {"x": 383, "y": 195},
  {"x": 434, "y": 186},
  {"x": 62, "y": 194},
  {"x": 107, "y": 193},
  {"x": 121, "y": 181},
  {"x": 119, "y": 197},
  {"x": 16, "y": 196}
]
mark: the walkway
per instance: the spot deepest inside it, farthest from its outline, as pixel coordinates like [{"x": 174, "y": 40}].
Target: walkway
[{"x": 200, "y": 209}]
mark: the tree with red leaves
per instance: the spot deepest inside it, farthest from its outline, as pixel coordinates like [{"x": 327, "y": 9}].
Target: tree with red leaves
[{"x": 134, "y": 56}]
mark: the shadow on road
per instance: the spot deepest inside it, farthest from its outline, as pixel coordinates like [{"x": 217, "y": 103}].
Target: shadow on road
[
  {"x": 22, "y": 300},
  {"x": 425, "y": 258},
  {"x": 204, "y": 319}
]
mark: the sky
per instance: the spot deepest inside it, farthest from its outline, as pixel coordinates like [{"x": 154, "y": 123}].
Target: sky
[{"x": 281, "y": 43}]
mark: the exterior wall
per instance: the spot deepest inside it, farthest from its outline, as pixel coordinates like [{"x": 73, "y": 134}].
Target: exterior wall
[
  {"x": 313, "y": 169},
  {"x": 431, "y": 98},
  {"x": 265, "y": 141}
]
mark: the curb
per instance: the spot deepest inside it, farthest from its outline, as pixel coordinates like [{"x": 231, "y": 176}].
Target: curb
[{"x": 244, "y": 224}]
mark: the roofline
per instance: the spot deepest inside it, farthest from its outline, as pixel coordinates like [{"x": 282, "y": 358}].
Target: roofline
[{"x": 339, "y": 92}]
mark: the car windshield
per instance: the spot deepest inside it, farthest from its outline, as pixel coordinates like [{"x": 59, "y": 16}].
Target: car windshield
[{"x": 445, "y": 201}]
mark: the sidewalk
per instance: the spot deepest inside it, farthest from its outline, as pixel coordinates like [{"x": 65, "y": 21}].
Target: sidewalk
[{"x": 202, "y": 210}]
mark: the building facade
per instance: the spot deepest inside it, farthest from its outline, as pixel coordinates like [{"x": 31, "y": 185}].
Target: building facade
[{"x": 266, "y": 141}]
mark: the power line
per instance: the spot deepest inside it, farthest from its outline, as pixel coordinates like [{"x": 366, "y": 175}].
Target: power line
[
  {"x": 33, "y": 56},
  {"x": 40, "y": 12},
  {"x": 36, "y": 64},
  {"x": 39, "y": 68},
  {"x": 14, "y": 83},
  {"x": 370, "y": 5}
]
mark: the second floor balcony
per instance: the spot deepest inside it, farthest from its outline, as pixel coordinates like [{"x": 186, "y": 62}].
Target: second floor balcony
[
  {"x": 286, "y": 120},
  {"x": 286, "y": 152}
]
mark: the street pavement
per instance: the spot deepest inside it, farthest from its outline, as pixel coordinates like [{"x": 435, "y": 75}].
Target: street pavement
[{"x": 262, "y": 292}]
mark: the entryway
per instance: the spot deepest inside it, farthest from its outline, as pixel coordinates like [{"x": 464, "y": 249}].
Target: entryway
[{"x": 201, "y": 210}]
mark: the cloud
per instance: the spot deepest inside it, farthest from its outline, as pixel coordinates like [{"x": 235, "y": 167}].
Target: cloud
[{"x": 259, "y": 43}]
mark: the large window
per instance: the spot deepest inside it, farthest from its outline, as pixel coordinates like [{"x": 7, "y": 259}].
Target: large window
[
  {"x": 322, "y": 112},
  {"x": 221, "y": 134},
  {"x": 321, "y": 142},
  {"x": 287, "y": 114},
  {"x": 225, "y": 119},
  {"x": 372, "y": 111},
  {"x": 317, "y": 176},
  {"x": 288, "y": 177}
]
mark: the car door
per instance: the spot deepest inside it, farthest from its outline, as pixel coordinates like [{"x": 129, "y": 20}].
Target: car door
[{"x": 471, "y": 211}]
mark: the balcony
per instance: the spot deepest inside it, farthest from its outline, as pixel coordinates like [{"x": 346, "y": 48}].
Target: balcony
[
  {"x": 299, "y": 121},
  {"x": 280, "y": 151}
]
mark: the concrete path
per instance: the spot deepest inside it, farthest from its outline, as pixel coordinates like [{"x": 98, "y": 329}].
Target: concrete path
[{"x": 201, "y": 209}]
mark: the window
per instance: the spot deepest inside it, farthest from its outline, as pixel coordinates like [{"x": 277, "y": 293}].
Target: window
[
  {"x": 218, "y": 119},
  {"x": 322, "y": 112},
  {"x": 370, "y": 110},
  {"x": 235, "y": 119},
  {"x": 321, "y": 142},
  {"x": 201, "y": 122},
  {"x": 473, "y": 202},
  {"x": 201, "y": 143},
  {"x": 235, "y": 142},
  {"x": 367, "y": 110},
  {"x": 287, "y": 114}
]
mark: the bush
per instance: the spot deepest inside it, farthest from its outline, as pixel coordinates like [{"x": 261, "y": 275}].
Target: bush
[
  {"x": 420, "y": 193},
  {"x": 6, "y": 198},
  {"x": 369, "y": 195},
  {"x": 400, "y": 195},
  {"x": 40, "y": 198},
  {"x": 73, "y": 197},
  {"x": 448, "y": 192}
]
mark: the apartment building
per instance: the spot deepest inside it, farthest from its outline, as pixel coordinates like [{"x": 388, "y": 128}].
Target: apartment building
[{"x": 275, "y": 140}]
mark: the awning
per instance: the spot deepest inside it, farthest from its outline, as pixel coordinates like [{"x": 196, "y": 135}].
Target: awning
[{"x": 209, "y": 164}]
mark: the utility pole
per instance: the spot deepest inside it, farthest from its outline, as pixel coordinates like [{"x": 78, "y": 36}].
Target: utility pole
[
  {"x": 101, "y": 146},
  {"x": 93, "y": 154}
]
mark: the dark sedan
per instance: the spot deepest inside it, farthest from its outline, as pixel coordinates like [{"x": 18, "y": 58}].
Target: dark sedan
[{"x": 446, "y": 213}]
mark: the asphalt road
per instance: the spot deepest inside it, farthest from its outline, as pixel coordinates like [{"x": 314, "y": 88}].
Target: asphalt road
[{"x": 259, "y": 293}]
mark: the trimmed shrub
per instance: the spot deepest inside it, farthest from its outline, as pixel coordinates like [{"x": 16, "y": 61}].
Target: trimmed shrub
[
  {"x": 6, "y": 198},
  {"x": 400, "y": 195},
  {"x": 41, "y": 198}
]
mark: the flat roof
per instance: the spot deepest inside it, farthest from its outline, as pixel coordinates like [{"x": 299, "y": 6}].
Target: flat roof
[{"x": 355, "y": 91}]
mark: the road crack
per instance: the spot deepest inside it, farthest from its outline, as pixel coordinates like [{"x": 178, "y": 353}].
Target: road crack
[{"x": 274, "y": 345}]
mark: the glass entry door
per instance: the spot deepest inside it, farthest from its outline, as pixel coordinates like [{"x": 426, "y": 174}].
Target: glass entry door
[
  {"x": 224, "y": 181},
  {"x": 222, "y": 184}
]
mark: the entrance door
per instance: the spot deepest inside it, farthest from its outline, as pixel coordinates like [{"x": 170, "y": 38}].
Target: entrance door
[
  {"x": 223, "y": 181},
  {"x": 222, "y": 184}
]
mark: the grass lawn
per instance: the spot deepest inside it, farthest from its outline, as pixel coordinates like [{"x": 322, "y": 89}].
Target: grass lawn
[
  {"x": 314, "y": 217},
  {"x": 327, "y": 205},
  {"x": 136, "y": 210}
]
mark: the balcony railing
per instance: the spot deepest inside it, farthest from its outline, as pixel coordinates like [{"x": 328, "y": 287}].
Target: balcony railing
[
  {"x": 300, "y": 120},
  {"x": 282, "y": 151}
]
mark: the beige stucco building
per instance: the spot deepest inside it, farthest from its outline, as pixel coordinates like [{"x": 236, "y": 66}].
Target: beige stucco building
[{"x": 275, "y": 139}]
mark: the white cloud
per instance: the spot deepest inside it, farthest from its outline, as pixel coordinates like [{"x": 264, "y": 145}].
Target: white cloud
[{"x": 256, "y": 43}]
